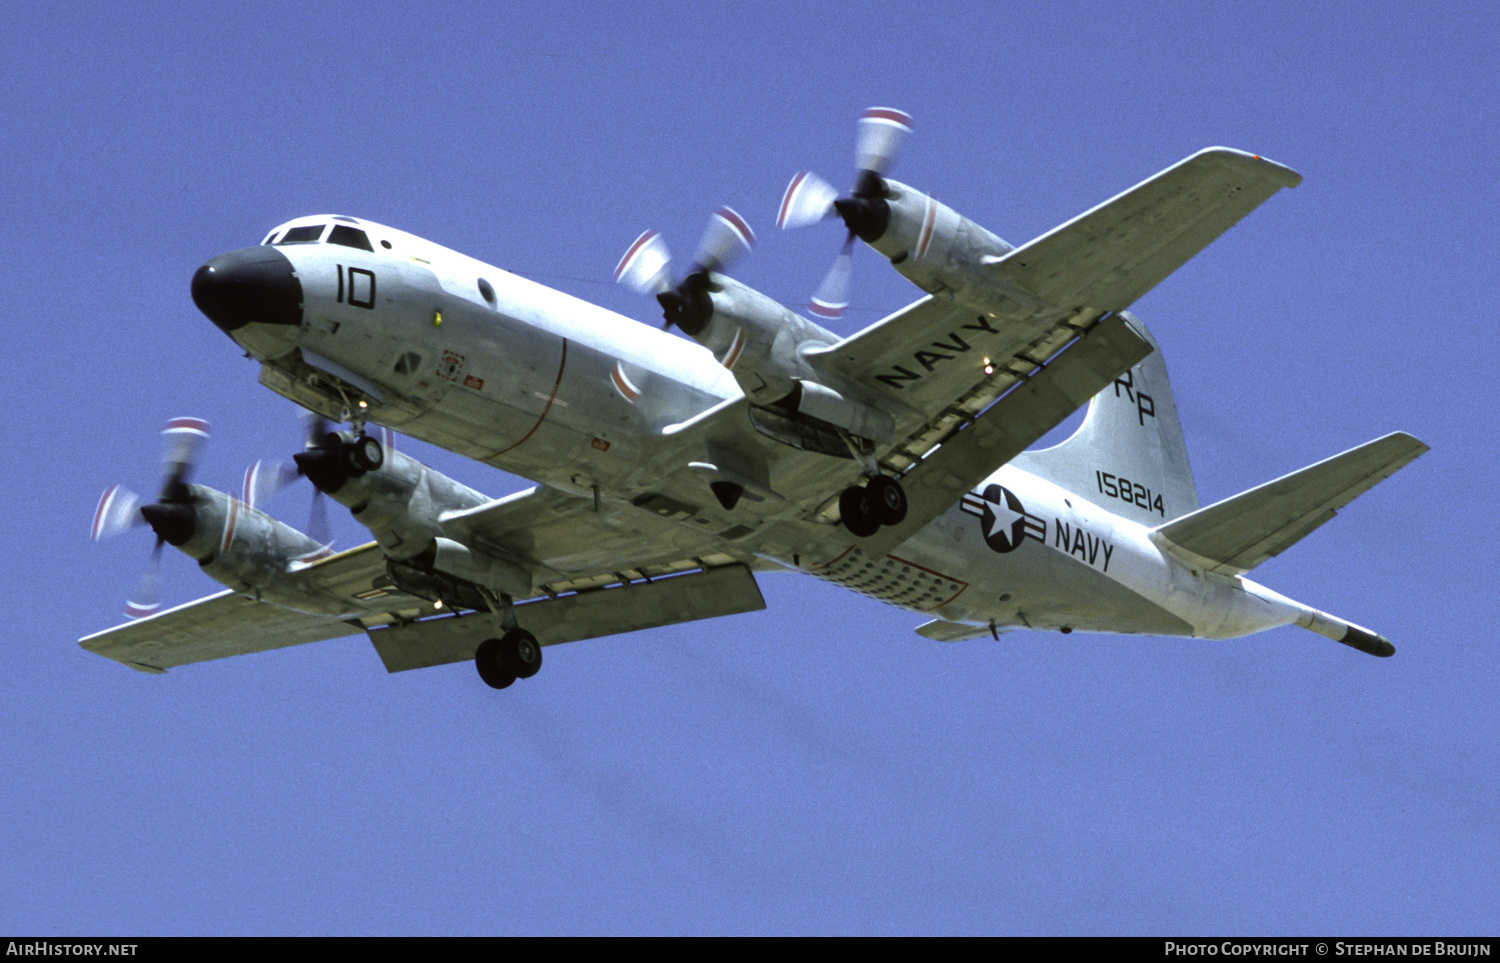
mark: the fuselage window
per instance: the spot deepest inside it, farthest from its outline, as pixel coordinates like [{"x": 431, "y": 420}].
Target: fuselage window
[
  {"x": 349, "y": 237},
  {"x": 307, "y": 234},
  {"x": 487, "y": 292}
]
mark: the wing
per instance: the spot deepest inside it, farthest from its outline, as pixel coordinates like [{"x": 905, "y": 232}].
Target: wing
[
  {"x": 571, "y": 546},
  {"x": 231, "y": 624},
  {"x": 1049, "y": 339},
  {"x": 1058, "y": 284}
]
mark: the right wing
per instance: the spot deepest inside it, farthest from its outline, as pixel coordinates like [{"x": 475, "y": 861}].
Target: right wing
[
  {"x": 1108, "y": 257},
  {"x": 938, "y": 365}
]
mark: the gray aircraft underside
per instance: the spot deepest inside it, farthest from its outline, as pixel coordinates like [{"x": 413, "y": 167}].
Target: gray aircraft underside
[{"x": 670, "y": 470}]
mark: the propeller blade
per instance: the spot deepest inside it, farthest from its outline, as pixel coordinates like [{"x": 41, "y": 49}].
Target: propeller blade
[
  {"x": 146, "y": 598},
  {"x": 727, "y": 238},
  {"x": 832, "y": 296},
  {"x": 181, "y": 440},
  {"x": 265, "y": 479},
  {"x": 116, "y": 513},
  {"x": 646, "y": 266},
  {"x": 881, "y": 132},
  {"x": 808, "y": 200},
  {"x": 317, "y": 520},
  {"x": 314, "y": 429}
]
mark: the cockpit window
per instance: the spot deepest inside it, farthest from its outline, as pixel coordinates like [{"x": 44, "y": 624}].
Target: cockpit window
[
  {"x": 307, "y": 234},
  {"x": 350, "y": 237},
  {"x": 268, "y": 238}
]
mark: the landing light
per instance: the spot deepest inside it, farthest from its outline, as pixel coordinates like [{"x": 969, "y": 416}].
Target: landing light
[{"x": 989, "y": 368}]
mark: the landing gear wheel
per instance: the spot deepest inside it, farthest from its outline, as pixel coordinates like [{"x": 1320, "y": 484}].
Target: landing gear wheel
[
  {"x": 858, "y": 512},
  {"x": 366, "y": 454},
  {"x": 887, "y": 498},
  {"x": 493, "y": 667},
  {"x": 523, "y": 653}
]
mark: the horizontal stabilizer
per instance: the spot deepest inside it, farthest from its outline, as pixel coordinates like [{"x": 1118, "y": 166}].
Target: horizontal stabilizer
[
  {"x": 1237, "y": 534},
  {"x": 729, "y": 590}
]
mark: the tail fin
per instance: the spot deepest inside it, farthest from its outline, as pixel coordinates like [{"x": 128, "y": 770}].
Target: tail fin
[{"x": 1128, "y": 455}]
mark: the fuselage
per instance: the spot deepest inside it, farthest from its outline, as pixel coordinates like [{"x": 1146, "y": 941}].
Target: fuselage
[{"x": 356, "y": 320}]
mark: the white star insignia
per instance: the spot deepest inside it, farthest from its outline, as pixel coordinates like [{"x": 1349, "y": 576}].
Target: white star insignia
[{"x": 1004, "y": 518}]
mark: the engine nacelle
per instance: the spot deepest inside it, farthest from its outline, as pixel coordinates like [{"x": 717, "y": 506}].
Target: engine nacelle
[
  {"x": 759, "y": 340},
  {"x": 762, "y": 343},
  {"x": 936, "y": 248},
  {"x": 402, "y": 501},
  {"x": 243, "y": 548}
]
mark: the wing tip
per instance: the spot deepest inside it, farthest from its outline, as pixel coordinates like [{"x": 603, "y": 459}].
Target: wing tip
[{"x": 1281, "y": 174}]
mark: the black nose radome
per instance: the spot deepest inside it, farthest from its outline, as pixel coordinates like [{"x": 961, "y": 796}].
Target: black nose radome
[{"x": 253, "y": 284}]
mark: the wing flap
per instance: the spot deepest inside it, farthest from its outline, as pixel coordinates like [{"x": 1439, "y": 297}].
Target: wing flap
[
  {"x": 569, "y": 541},
  {"x": 1012, "y": 424},
  {"x": 706, "y": 594},
  {"x": 1237, "y": 534},
  {"x": 1109, "y": 256}
]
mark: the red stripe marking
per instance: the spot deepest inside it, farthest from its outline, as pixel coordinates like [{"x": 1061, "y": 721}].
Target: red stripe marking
[
  {"x": 830, "y": 311},
  {"x": 622, "y": 384},
  {"x": 550, "y": 398},
  {"x": 735, "y": 349},
  {"x": 786, "y": 199},
  {"x": 635, "y": 248},
  {"x": 899, "y": 117},
  {"x": 738, "y": 223},
  {"x": 229, "y": 524},
  {"x": 195, "y": 425},
  {"x": 104, "y": 500},
  {"x": 929, "y": 220}
]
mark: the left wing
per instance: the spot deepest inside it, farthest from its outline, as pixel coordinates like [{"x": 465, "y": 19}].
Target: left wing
[
  {"x": 569, "y": 544},
  {"x": 228, "y": 623}
]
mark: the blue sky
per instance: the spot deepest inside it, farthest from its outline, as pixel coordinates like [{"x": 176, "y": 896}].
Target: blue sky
[{"x": 817, "y": 767}]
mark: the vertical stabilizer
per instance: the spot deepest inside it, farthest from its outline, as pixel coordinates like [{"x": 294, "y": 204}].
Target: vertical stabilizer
[{"x": 1128, "y": 456}]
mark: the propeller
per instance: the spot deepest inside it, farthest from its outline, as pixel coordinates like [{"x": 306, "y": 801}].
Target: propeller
[
  {"x": 323, "y": 461},
  {"x": 171, "y": 516},
  {"x": 646, "y": 268},
  {"x": 810, "y": 199},
  {"x": 265, "y": 479}
]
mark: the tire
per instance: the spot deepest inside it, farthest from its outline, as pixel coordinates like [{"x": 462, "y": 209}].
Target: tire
[
  {"x": 887, "y": 499},
  {"x": 523, "y": 654},
  {"x": 493, "y": 668},
  {"x": 858, "y": 512},
  {"x": 367, "y": 453}
]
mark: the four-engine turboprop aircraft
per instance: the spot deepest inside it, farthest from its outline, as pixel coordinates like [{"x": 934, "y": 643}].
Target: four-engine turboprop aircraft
[{"x": 669, "y": 471}]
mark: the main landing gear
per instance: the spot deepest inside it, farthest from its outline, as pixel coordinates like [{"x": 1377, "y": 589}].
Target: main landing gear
[
  {"x": 864, "y": 508},
  {"x": 515, "y": 655}
]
